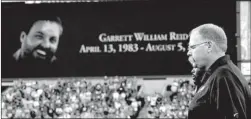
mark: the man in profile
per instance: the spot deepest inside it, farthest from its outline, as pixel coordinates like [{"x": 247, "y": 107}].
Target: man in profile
[
  {"x": 37, "y": 55},
  {"x": 223, "y": 91}
]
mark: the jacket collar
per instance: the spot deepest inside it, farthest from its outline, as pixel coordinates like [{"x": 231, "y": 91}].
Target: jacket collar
[{"x": 219, "y": 62}]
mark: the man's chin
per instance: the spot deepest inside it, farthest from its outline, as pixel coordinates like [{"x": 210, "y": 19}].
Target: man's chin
[
  {"x": 196, "y": 82},
  {"x": 37, "y": 60},
  {"x": 43, "y": 60}
]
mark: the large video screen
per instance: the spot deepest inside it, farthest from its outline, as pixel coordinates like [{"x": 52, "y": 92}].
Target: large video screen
[{"x": 130, "y": 38}]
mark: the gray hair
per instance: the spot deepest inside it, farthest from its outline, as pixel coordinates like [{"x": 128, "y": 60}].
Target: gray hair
[{"x": 213, "y": 33}]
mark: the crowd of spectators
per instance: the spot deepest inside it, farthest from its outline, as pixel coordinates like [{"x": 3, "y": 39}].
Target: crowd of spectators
[
  {"x": 173, "y": 103},
  {"x": 113, "y": 98}
]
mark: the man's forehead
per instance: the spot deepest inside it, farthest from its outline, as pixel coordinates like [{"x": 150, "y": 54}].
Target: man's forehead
[
  {"x": 194, "y": 38},
  {"x": 48, "y": 27}
]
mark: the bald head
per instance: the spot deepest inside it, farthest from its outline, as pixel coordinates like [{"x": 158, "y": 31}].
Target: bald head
[{"x": 214, "y": 33}]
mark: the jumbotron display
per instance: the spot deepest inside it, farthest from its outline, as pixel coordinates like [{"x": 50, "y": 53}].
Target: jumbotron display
[{"x": 129, "y": 38}]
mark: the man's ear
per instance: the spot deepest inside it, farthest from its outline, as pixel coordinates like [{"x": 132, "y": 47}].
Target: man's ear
[
  {"x": 22, "y": 36},
  {"x": 210, "y": 46}
]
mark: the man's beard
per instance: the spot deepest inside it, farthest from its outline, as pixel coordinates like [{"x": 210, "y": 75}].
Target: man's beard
[
  {"x": 197, "y": 77},
  {"x": 198, "y": 74},
  {"x": 29, "y": 56}
]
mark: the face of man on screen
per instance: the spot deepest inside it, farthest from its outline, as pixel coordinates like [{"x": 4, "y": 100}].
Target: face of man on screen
[{"x": 42, "y": 41}]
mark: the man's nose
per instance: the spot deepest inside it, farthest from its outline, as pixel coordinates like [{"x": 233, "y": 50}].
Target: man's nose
[
  {"x": 46, "y": 44},
  {"x": 189, "y": 53}
]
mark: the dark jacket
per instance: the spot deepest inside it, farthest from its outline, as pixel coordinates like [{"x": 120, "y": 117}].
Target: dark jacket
[{"x": 224, "y": 93}]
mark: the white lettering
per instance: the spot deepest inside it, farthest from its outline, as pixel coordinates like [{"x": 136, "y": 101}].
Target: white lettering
[
  {"x": 89, "y": 49},
  {"x": 160, "y": 47},
  {"x": 150, "y": 37},
  {"x": 176, "y": 36},
  {"x": 139, "y": 36},
  {"x": 114, "y": 38}
]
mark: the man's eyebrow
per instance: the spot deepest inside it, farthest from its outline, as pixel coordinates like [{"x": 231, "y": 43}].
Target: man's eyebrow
[{"x": 39, "y": 32}]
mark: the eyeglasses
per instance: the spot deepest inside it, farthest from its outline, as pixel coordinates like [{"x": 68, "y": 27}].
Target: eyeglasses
[{"x": 196, "y": 45}]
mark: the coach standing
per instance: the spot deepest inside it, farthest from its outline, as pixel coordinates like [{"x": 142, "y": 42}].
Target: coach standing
[{"x": 224, "y": 92}]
